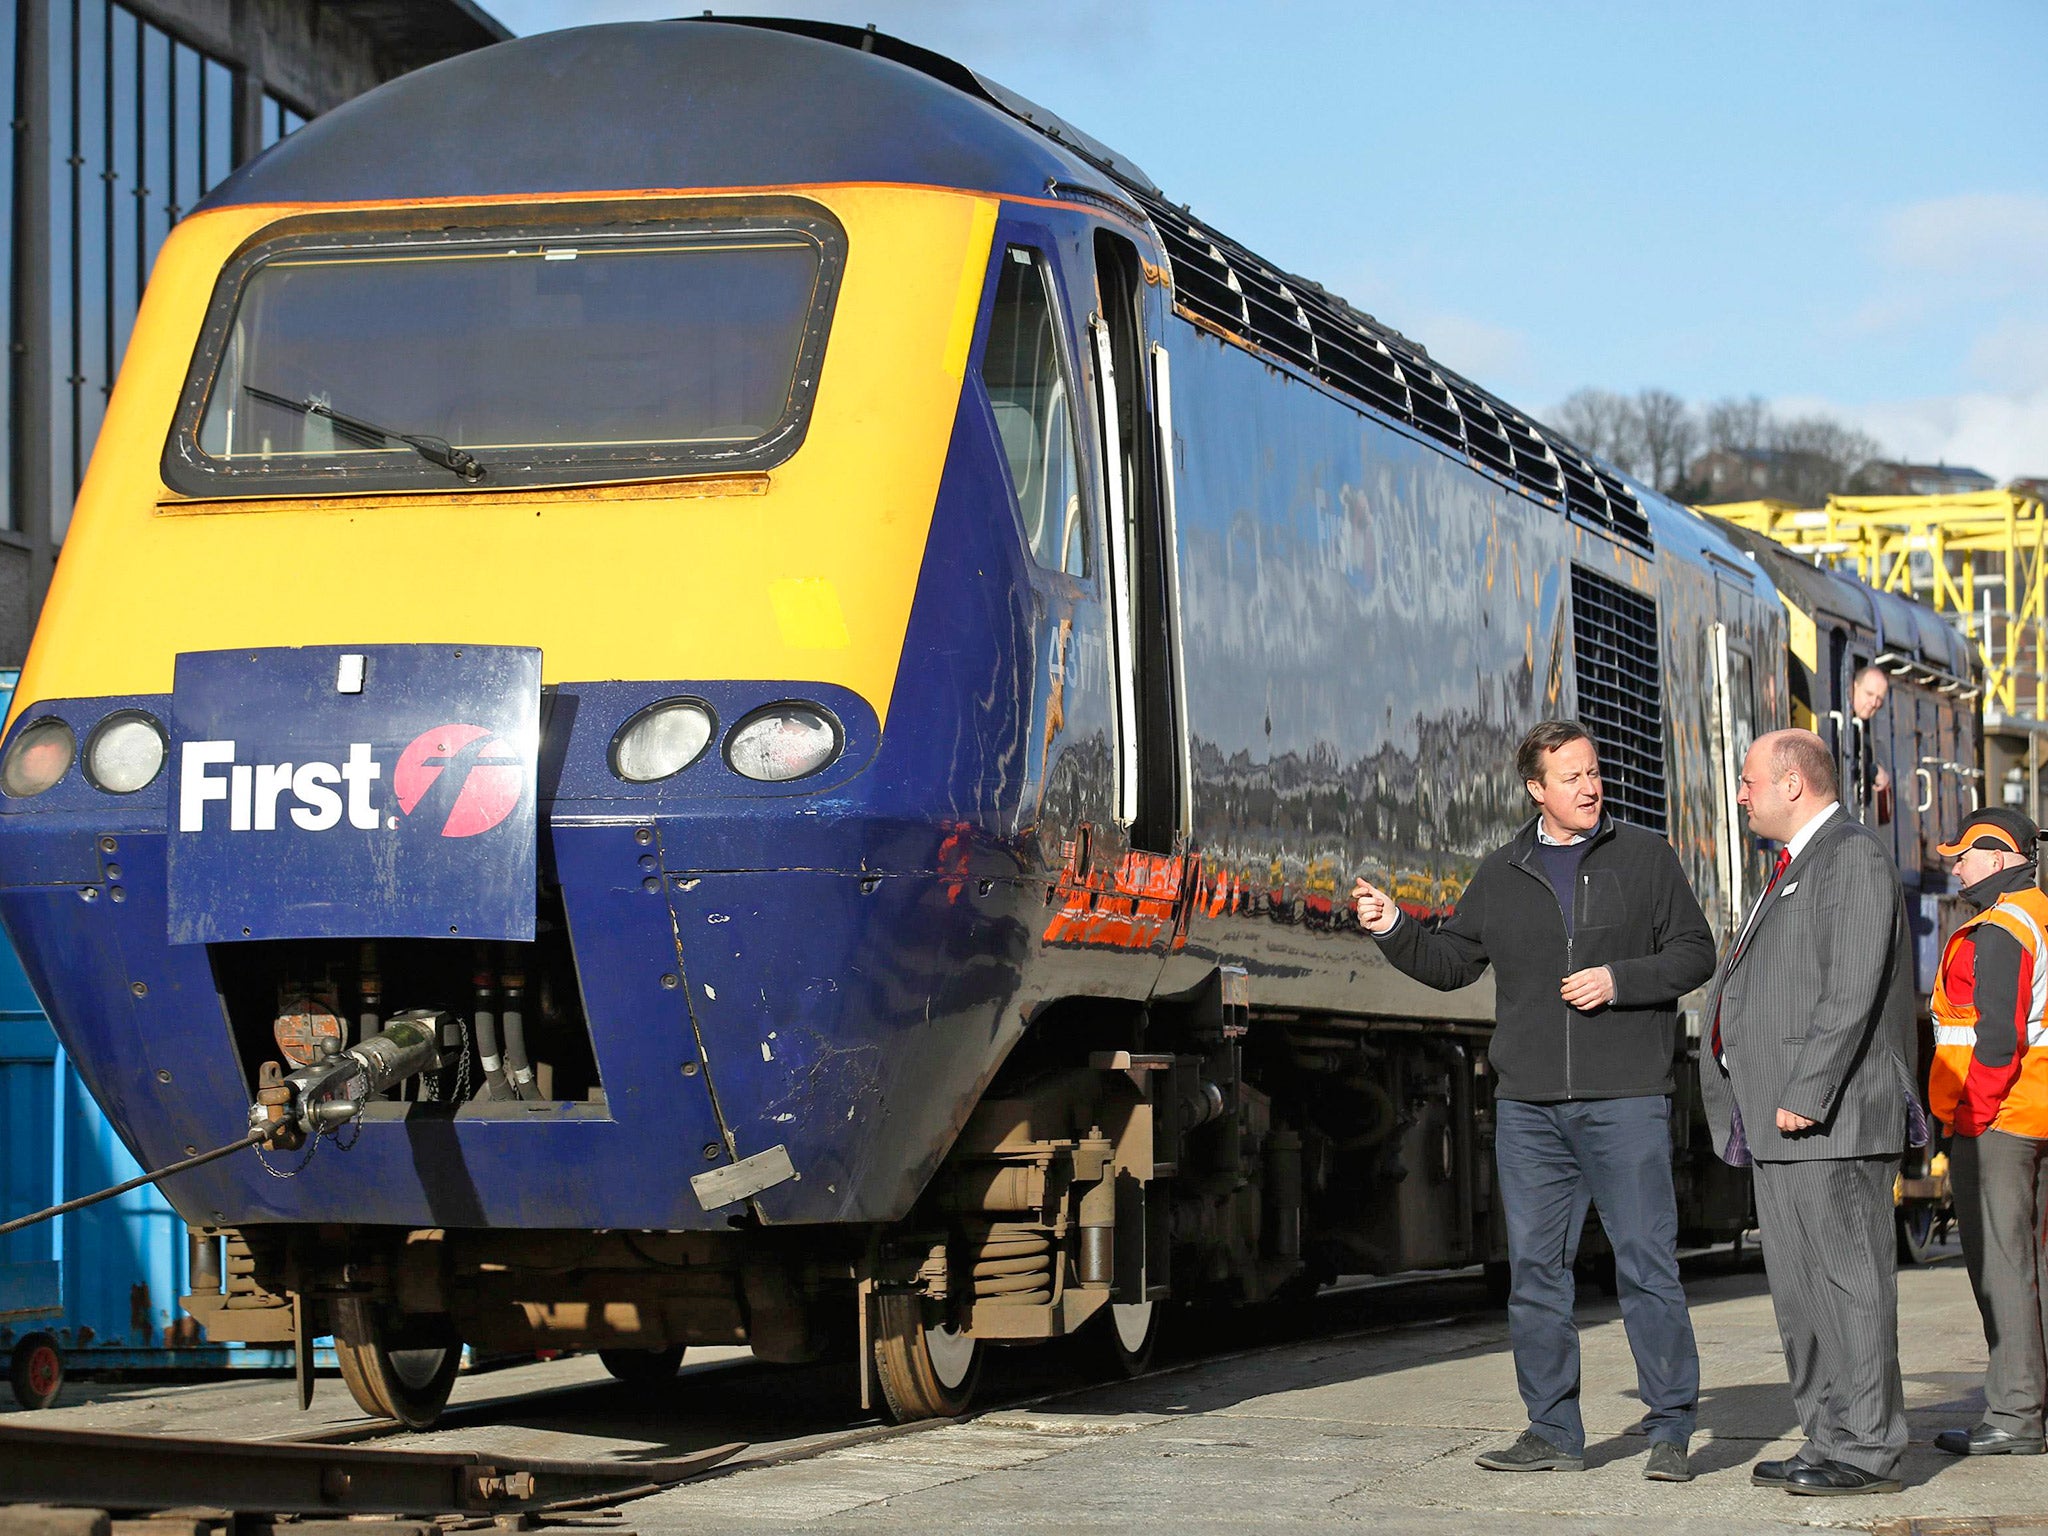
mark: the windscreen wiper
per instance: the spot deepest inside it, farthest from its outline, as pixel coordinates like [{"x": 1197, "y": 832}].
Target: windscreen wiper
[{"x": 435, "y": 450}]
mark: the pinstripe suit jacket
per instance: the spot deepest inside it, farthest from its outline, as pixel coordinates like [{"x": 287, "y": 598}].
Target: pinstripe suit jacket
[{"x": 1816, "y": 1008}]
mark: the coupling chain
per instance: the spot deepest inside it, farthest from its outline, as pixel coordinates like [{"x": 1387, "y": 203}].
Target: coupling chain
[{"x": 360, "y": 1079}]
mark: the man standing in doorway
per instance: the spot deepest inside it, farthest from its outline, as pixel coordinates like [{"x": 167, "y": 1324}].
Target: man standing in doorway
[
  {"x": 1593, "y": 936},
  {"x": 1805, "y": 1077},
  {"x": 1871, "y": 779}
]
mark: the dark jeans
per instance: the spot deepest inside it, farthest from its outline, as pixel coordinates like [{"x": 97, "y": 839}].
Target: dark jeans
[{"x": 1615, "y": 1155}]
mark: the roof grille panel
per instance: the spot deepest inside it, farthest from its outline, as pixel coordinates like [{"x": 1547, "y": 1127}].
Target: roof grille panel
[
  {"x": 1625, "y": 513},
  {"x": 1621, "y": 700},
  {"x": 1219, "y": 283},
  {"x": 1202, "y": 280},
  {"x": 1483, "y": 435},
  {"x": 1535, "y": 465},
  {"x": 1359, "y": 366}
]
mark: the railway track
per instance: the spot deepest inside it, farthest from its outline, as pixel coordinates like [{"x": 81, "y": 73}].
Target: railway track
[{"x": 499, "y": 1462}]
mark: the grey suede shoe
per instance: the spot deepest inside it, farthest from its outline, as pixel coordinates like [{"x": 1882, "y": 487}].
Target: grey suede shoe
[
  {"x": 1530, "y": 1453},
  {"x": 1667, "y": 1463}
]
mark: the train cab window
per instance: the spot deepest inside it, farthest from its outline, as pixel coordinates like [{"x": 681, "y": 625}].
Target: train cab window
[
  {"x": 394, "y": 359},
  {"x": 1027, "y": 386}
]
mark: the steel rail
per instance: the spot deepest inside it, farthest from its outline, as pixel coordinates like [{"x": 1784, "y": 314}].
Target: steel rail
[{"x": 110, "y": 1471}]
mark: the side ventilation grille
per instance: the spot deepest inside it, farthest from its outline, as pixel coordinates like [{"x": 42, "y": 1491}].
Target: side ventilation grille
[
  {"x": 1220, "y": 284},
  {"x": 1621, "y": 699}
]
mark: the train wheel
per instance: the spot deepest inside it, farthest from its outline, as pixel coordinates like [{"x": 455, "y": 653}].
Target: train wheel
[
  {"x": 409, "y": 1383},
  {"x": 1916, "y": 1231},
  {"x": 643, "y": 1367},
  {"x": 1131, "y": 1333},
  {"x": 36, "y": 1371},
  {"x": 927, "y": 1369}
]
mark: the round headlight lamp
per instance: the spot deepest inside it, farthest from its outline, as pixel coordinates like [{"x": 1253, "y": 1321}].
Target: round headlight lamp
[
  {"x": 38, "y": 758},
  {"x": 783, "y": 742},
  {"x": 662, "y": 739},
  {"x": 125, "y": 752}
]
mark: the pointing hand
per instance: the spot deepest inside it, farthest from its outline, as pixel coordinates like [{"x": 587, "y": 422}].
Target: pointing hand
[{"x": 1376, "y": 910}]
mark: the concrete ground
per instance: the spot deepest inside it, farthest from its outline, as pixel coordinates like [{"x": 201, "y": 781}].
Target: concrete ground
[
  {"x": 1378, "y": 1432},
  {"x": 1375, "y": 1429}
]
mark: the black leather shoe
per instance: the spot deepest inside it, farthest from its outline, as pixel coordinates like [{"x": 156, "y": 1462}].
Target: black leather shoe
[
  {"x": 1986, "y": 1441},
  {"x": 1772, "y": 1474},
  {"x": 1835, "y": 1479}
]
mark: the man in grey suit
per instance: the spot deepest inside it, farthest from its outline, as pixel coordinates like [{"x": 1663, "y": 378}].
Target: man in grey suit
[{"x": 1806, "y": 1024}]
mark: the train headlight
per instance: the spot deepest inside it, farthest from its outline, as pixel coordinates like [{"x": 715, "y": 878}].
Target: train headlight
[
  {"x": 662, "y": 739},
  {"x": 38, "y": 758},
  {"x": 782, "y": 742},
  {"x": 125, "y": 752}
]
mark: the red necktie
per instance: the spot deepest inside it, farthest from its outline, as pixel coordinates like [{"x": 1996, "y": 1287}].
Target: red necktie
[{"x": 1742, "y": 940}]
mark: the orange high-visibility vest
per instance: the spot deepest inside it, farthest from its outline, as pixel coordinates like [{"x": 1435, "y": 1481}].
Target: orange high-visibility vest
[{"x": 2015, "y": 1098}]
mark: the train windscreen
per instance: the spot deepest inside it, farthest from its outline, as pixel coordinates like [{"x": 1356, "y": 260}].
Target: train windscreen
[{"x": 407, "y": 363}]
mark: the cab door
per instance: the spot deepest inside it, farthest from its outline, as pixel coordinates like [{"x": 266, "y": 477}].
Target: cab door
[
  {"x": 1734, "y": 728},
  {"x": 1133, "y": 406}
]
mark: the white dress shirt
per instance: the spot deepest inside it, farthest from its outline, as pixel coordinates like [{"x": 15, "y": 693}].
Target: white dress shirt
[
  {"x": 1796, "y": 847},
  {"x": 1805, "y": 834}
]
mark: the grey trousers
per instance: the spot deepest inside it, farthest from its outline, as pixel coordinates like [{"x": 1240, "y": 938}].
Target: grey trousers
[
  {"x": 2001, "y": 1188},
  {"x": 1831, "y": 1255}
]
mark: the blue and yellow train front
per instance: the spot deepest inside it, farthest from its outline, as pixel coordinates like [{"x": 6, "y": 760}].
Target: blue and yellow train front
[{"x": 503, "y": 608}]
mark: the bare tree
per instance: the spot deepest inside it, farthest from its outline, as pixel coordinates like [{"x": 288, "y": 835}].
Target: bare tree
[
  {"x": 1655, "y": 436},
  {"x": 1602, "y": 423},
  {"x": 1818, "y": 456},
  {"x": 1667, "y": 434},
  {"x": 1740, "y": 424}
]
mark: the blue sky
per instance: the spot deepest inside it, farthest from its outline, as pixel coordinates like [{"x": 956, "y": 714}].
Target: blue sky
[{"x": 1837, "y": 206}]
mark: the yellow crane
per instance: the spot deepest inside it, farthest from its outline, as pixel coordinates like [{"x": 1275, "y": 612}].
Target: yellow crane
[{"x": 1976, "y": 558}]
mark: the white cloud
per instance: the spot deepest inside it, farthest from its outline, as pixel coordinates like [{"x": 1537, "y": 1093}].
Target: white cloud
[
  {"x": 2005, "y": 435},
  {"x": 1973, "y": 266},
  {"x": 2012, "y": 354},
  {"x": 1943, "y": 255},
  {"x": 1986, "y": 243}
]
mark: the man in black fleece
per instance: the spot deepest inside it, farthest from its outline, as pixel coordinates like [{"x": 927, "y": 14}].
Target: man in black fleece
[{"x": 1593, "y": 936}]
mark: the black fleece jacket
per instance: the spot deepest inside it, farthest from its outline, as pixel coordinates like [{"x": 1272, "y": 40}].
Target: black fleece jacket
[{"x": 1634, "y": 914}]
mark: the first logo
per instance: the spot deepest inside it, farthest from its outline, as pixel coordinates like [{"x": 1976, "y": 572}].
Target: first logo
[{"x": 456, "y": 775}]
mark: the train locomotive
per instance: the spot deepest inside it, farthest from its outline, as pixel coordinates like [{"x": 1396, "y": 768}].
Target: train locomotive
[{"x": 833, "y": 654}]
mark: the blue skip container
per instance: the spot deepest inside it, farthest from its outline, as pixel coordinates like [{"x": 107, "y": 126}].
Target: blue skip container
[{"x": 97, "y": 1289}]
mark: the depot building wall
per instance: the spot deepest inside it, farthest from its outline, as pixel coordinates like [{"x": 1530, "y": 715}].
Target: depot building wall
[{"x": 125, "y": 113}]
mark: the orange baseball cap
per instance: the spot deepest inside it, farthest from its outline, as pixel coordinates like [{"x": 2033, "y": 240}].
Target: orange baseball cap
[{"x": 1997, "y": 828}]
